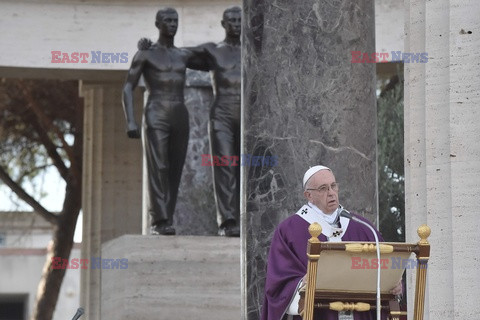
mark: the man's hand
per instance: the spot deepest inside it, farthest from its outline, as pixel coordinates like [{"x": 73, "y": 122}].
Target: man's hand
[
  {"x": 398, "y": 289},
  {"x": 144, "y": 44},
  {"x": 132, "y": 131}
]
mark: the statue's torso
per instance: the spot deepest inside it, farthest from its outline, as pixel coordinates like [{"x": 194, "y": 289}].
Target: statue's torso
[
  {"x": 164, "y": 70},
  {"x": 226, "y": 69}
]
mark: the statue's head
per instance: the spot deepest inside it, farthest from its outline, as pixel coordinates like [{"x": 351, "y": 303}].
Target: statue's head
[
  {"x": 167, "y": 21},
  {"x": 232, "y": 21}
]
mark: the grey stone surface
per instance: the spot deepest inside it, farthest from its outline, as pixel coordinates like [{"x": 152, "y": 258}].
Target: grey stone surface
[
  {"x": 198, "y": 79},
  {"x": 172, "y": 277},
  {"x": 305, "y": 102},
  {"x": 195, "y": 213}
]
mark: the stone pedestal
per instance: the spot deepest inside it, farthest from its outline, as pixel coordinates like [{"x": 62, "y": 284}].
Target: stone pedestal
[
  {"x": 112, "y": 181},
  {"x": 306, "y": 103},
  {"x": 442, "y": 152},
  {"x": 172, "y": 278}
]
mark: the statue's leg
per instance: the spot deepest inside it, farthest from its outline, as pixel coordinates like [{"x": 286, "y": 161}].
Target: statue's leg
[
  {"x": 157, "y": 131},
  {"x": 225, "y": 142},
  {"x": 156, "y": 153},
  {"x": 178, "y": 144}
]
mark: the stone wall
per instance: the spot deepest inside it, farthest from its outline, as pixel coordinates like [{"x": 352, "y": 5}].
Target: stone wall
[{"x": 442, "y": 152}]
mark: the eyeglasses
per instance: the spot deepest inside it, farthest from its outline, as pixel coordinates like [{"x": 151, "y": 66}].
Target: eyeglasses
[{"x": 325, "y": 188}]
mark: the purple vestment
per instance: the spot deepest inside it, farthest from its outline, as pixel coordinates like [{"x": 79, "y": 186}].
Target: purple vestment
[{"x": 287, "y": 265}]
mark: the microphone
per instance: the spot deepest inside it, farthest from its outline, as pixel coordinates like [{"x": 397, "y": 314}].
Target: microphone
[
  {"x": 79, "y": 313},
  {"x": 348, "y": 215},
  {"x": 344, "y": 213}
]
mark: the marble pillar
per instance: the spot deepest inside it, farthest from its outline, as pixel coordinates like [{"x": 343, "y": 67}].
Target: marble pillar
[
  {"x": 442, "y": 153},
  {"x": 112, "y": 181},
  {"x": 305, "y": 103},
  {"x": 195, "y": 213}
]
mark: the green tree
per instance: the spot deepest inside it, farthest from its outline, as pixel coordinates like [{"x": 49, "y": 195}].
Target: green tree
[
  {"x": 41, "y": 126},
  {"x": 391, "y": 190}
]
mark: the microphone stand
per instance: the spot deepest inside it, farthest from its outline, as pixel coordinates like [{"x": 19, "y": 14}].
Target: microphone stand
[
  {"x": 78, "y": 314},
  {"x": 348, "y": 215}
]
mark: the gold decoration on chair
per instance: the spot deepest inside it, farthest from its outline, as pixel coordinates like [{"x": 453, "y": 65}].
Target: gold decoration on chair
[
  {"x": 315, "y": 230},
  {"x": 423, "y": 255},
  {"x": 313, "y": 253},
  {"x": 359, "y": 247},
  {"x": 423, "y": 232},
  {"x": 349, "y": 306}
]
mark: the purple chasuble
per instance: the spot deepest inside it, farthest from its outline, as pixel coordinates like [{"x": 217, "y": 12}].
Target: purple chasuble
[{"x": 287, "y": 264}]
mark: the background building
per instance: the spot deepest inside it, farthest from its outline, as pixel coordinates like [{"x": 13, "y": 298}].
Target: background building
[{"x": 24, "y": 238}]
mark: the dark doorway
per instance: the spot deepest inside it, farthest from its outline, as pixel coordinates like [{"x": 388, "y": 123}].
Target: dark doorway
[{"x": 12, "y": 307}]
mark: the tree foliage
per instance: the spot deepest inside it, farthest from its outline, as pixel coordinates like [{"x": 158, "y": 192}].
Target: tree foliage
[
  {"x": 391, "y": 189},
  {"x": 41, "y": 123}
]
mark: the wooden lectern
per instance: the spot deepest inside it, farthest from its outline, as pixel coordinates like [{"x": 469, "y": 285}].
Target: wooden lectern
[{"x": 356, "y": 262}]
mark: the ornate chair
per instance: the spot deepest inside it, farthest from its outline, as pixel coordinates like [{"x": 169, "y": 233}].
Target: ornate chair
[{"x": 355, "y": 263}]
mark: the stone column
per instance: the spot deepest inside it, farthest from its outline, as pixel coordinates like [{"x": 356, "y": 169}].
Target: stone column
[
  {"x": 442, "y": 152},
  {"x": 112, "y": 181},
  {"x": 305, "y": 103}
]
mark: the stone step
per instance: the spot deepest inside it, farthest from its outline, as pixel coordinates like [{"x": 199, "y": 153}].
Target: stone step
[{"x": 172, "y": 277}]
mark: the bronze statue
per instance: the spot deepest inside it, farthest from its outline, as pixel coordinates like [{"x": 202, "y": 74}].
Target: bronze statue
[
  {"x": 223, "y": 60},
  {"x": 165, "y": 121}
]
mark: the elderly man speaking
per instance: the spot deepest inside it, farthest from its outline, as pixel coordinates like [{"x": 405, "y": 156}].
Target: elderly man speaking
[{"x": 287, "y": 260}]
